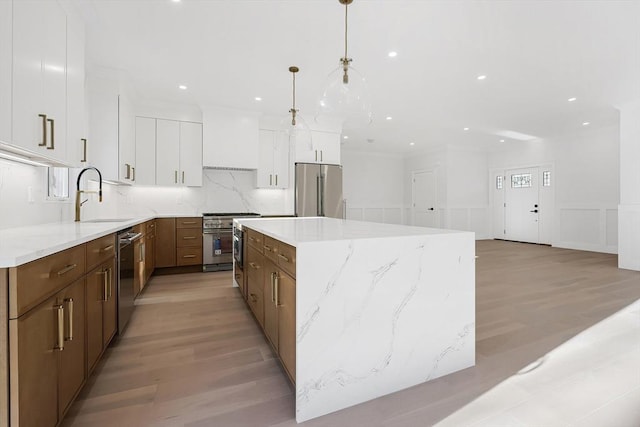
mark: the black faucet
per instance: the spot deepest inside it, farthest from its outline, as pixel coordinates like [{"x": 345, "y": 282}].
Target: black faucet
[{"x": 79, "y": 192}]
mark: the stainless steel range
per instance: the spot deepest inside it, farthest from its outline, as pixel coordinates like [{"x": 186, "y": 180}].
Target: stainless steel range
[{"x": 217, "y": 239}]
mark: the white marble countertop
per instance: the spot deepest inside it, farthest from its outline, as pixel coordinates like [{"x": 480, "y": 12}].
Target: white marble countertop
[
  {"x": 21, "y": 245},
  {"x": 295, "y": 231}
]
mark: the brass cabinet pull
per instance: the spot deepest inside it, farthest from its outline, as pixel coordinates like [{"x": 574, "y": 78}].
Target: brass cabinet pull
[
  {"x": 189, "y": 237},
  {"x": 84, "y": 149},
  {"x": 267, "y": 248},
  {"x": 316, "y": 155},
  {"x": 44, "y": 130},
  {"x": 175, "y": 176},
  {"x": 273, "y": 287},
  {"x": 67, "y": 269},
  {"x": 141, "y": 254},
  {"x": 69, "y": 302},
  {"x": 254, "y": 265},
  {"x": 320, "y": 155},
  {"x": 188, "y": 222},
  {"x": 105, "y": 283},
  {"x": 254, "y": 297},
  {"x": 106, "y": 248},
  {"x": 128, "y": 175},
  {"x": 270, "y": 179},
  {"x": 133, "y": 173},
  {"x": 277, "y": 286},
  {"x": 283, "y": 258},
  {"x": 188, "y": 256},
  {"x": 252, "y": 239},
  {"x": 183, "y": 177},
  {"x": 53, "y": 134},
  {"x": 60, "y": 309},
  {"x": 276, "y": 180},
  {"x": 109, "y": 283}
]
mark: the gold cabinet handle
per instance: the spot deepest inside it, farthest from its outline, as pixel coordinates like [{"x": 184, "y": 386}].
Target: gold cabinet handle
[
  {"x": 273, "y": 287},
  {"x": 320, "y": 155},
  {"x": 276, "y": 180},
  {"x": 188, "y": 222},
  {"x": 270, "y": 179},
  {"x": 84, "y": 149},
  {"x": 106, "y": 248},
  {"x": 267, "y": 248},
  {"x": 69, "y": 302},
  {"x": 105, "y": 283},
  {"x": 189, "y": 237},
  {"x": 109, "y": 283},
  {"x": 133, "y": 173},
  {"x": 283, "y": 258},
  {"x": 175, "y": 176},
  {"x": 252, "y": 239},
  {"x": 277, "y": 286},
  {"x": 67, "y": 269},
  {"x": 44, "y": 130},
  {"x": 188, "y": 256},
  {"x": 183, "y": 177},
  {"x": 254, "y": 265},
  {"x": 53, "y": 134},
  {"x": 60, "y": 309},
  {"x": 128, "y": 175},
  {"x": 316, "y": 155},
  {"x": 254, "y": 297}
]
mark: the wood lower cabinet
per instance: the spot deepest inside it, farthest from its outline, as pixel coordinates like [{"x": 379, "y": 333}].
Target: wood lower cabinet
[
  {"x": 101, "y": 310},
  {"x": 47, "y": 358},
  {"x": 178, "y": 242},
  {"x": 271, "y": 287},
  {"x": 165, "y": 242},
  {"x": 150, "y": 249}
]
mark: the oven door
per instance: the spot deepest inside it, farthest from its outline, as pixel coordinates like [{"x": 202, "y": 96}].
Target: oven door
[{"x": 217, "y": 247}]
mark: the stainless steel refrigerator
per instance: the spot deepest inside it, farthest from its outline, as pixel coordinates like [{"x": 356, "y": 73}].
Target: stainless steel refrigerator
[{"x": 319, "y": 190}]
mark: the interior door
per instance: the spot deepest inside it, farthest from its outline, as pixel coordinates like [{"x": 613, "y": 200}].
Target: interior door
[
  {"x": 522, "y": 205},
  {"x": 424, "y": 199}
]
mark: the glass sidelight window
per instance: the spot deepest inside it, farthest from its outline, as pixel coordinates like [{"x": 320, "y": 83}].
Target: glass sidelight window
[
  {"x": 499, "y": 182},
  {"x": 522, "y": 180},
  {"x": 546, "y": 179}
]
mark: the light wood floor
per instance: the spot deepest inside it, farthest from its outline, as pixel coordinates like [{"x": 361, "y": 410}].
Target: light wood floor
[{"x": 194, "y": 356}]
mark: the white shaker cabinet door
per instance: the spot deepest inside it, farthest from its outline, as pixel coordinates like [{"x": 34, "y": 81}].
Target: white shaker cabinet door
[
  {"x": 5, "y": 70},
  {"x": 167, "y": 152},
  {"x": 76, "y": 131},
  {"x": 281, "y": 163},
  {"x": 126, "y": 140},
  {"x": 145, "y": 151},
  {"x": 264, "y": 174},
  {"x": 190, "y": 154}
]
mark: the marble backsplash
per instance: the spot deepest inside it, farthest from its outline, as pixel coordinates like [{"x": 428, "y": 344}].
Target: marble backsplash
[{"x": 23, "y": 198}]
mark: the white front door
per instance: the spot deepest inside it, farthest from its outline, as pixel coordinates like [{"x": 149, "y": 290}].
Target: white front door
[
  {"x": 522, "y": 205},
  {"x": 424, "y": 199}
]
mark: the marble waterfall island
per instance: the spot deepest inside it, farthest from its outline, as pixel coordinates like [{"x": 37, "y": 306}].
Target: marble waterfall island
[{"x": 379, "y": 307}]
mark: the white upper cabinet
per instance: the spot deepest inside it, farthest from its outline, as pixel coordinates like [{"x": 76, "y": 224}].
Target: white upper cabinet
[
  {"x": 126, "y": 140},
  {"x": 178, "y": 153},
  {"x": 230, "y": 138},
  {"x": 5, "y": 70},
  {"x": 76, "y": 132},
  {"x": 326, "y": 149},
  {"x": 39, "y": 77},
  {"x": 191, "y": 154},
  {"x": 273, "y": 167},
  {"x": 167, "y": 152},
  {"x": 145, "y": 151}
]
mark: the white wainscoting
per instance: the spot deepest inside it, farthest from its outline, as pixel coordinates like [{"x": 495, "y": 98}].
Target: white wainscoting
[
  {"x": 587, "y": 228},
  {"x": 629, "y": 256},
  {"x": 468, "y": 218},
  {"x": 385, "y": 214}
]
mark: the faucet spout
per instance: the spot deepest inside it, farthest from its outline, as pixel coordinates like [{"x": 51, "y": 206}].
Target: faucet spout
[{"x": 79, "y": 192}]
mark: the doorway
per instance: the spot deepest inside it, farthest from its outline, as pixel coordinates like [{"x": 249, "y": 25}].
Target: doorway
[{"x": 423, "y": 188}]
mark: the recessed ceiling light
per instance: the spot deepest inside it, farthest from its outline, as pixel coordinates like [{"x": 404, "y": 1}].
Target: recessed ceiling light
[
  {"x": 502, "y": 140},
  {"x": 176, "y": 1},
  {"x": 183, "y": 87},
  {"x": 465, "y": 128},
  {"x": 482, "y": 77},
  {"x": 389, "y": 118},
  {"x": 257, "y": 98},
  {"x": 412, "y": 143},
  {"x": 571, "y": 99},
  {"x": 392, "y": 54},
  {"x": 345, "y": 137},
  {"x": 585, "y": 123}
]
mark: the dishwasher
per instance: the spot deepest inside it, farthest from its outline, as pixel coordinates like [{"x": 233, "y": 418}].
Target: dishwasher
[{"x": 125, "y": 276}]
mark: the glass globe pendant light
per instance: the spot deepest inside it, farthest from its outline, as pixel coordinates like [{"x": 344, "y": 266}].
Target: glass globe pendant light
[
  {"x": 294, "y": 127},
  {"x": 345, "y": 96}
]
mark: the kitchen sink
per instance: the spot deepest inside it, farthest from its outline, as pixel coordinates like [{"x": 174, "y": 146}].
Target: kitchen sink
[{"x": 108, "y": 220}]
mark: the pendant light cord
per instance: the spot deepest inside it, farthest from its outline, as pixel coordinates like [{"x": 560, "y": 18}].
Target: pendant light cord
[
  {"x": 346, "y": 9},
  {"x": 294, "y": 90}
]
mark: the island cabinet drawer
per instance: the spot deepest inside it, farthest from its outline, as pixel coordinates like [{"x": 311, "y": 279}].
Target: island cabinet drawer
[
  {"x": 255, "y": 298},
  {"x": 188, "y": 256},
  {"x": 287, "y": 258},
  {"x": 188, "y": 237},
  {"x": 189, "y": 222},
  {"x": 32, "y": 283},
  {"x": 100, "y": 250},
  {"x": 270, "y": 247},
  {"x": 255, "y": 267},
  {"x": 150, "y": 226},
  {"x": 255, "y": 239}
]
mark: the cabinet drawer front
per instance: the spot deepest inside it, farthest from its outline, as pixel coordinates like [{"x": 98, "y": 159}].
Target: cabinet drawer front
[
  {"x": 270, "y": 249},
  {"x": 287, "y": 258},
  {"x": 188, "y": 237},
  {"x": 189, "y": 256},
  {"x": 100, "y": 250},
  {"x": 254, "y": 267},
  {"x": 31, "y": 283},
  {"x": 189, "y": 222},
  {"x": 255, "y": 239},
  {"x": 150, "y": 226},
  {"x": 256, "y": 301}
]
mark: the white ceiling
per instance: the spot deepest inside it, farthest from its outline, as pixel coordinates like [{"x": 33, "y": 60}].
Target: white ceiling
[{"x": 535, "y": 54}]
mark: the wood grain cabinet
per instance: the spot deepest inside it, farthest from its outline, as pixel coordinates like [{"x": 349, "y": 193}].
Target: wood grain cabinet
[
  {"x": 101, "y": 310},
  {"x": 178, "y": 242},
  {"x": 165, "y": 255},
  {"x": 271, "y": 266},
  {"x": 150, "y": 248}
]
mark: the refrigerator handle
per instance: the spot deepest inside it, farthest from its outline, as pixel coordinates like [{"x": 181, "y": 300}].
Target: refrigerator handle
[
  {"x": 322, "y": 195},
  {"x": 344, "y": 208}
]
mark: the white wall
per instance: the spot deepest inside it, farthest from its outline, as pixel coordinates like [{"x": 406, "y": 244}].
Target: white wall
[
  {"x": 373, "y": 186},
  {"x": 586, "y": 169}
]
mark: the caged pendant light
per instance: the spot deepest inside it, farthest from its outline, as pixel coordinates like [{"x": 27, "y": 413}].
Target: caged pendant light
[
  {"x": 294, "y": 127},
  {"x": 345, "y": 96}
]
